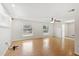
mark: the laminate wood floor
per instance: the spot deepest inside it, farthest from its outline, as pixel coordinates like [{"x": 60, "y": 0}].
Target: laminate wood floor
[{"x": 42, "y": 47}]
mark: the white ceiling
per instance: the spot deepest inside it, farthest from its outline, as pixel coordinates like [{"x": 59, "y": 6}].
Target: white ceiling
[{"x": 41, "y": 11}]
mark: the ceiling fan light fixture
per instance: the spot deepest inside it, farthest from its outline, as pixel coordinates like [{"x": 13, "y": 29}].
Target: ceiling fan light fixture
[
  {"x": 72, "y": 10},
  {"x": 52, "y": 20}
]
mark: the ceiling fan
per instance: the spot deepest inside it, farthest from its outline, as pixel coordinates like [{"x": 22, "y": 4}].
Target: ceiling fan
[
  {"x": 54, "y": 20},
  {"x": 71, "y": 10}
]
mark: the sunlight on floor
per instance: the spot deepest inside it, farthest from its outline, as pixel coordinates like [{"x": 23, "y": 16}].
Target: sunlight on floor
[
  {"x": 27, "y": 46},
  {"x": 46, "y": 43}
]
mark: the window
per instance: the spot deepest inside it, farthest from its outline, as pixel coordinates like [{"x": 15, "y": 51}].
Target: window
[
  {"x": 27, "y": 29},
  {"x": 45, "y": 29}
]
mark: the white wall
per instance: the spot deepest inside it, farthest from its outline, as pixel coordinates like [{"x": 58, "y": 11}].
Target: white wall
[
  {"x": 66, "y": 29},
  {"x": 77, "y": 34},
  {"x": 5, "y": 31},
  {"x": 70, "y": 29},
  {"x": 37, "y": 29},
  {"x": 5, "y": 41}
]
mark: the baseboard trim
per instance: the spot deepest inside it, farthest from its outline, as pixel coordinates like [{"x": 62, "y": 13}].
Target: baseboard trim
[
  {"x": 76, "y": 53},
  {"x": 6, "y": 49},
  {"x": 27, "y": 39}
]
